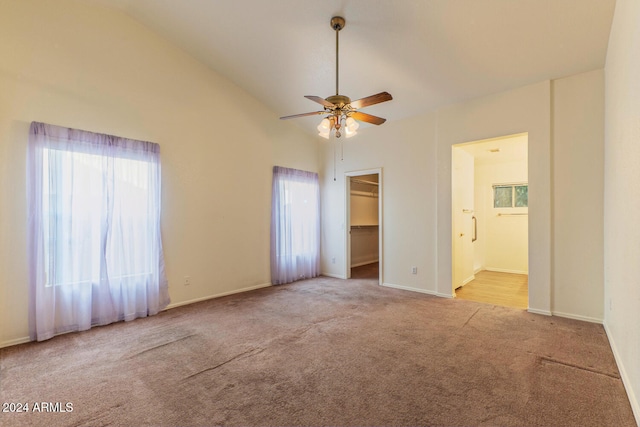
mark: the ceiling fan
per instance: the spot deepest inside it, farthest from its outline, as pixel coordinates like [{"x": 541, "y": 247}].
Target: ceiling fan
[{"x": 341, "y": 112}]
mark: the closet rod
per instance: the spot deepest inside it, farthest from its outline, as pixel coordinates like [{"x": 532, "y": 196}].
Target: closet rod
[
  {"x": 364, "y": 193},
  {"x": 362, "y": 181}
]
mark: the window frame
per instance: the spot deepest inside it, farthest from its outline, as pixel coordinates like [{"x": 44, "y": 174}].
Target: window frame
[{"x": 514, "y": 198}]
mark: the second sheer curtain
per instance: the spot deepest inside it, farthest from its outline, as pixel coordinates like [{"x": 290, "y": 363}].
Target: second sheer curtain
[{"x": 295, "y": 225}]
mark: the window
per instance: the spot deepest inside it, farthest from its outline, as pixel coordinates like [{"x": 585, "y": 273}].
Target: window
[
  {"x": 511, "y": 196},
  {"x": 71, "y": 234},
  {"x": 295, "y": 225},
  {"x": 95, "y": 253},
  {"x": 521, "y": 196}
]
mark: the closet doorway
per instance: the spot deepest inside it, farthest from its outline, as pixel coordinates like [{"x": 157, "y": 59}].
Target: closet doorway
[
  {"x": 490, "y": 228},
  {"x": 364, "y": 224}
]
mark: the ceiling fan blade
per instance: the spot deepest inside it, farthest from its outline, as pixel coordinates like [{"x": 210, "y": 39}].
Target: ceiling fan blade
[
  {"x": 371, "y": 100},
  {"x": 302, "y": 115},
  {"x": 321, "y": 101},
  {"x": 364, "y": 117}
]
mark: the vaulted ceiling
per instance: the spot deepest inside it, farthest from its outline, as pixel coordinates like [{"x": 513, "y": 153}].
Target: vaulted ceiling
[{"x": 426, "y": 53}]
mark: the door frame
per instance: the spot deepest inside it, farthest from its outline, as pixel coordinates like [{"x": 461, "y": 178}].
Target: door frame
[
  {"x": 529, "y": 228},
  {"x": 459, "y": 225},
  {"x": 347, "y": 222}
]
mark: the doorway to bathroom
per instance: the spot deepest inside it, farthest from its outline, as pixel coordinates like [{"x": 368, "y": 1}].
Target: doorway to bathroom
[{"x": 490, "y": 230}]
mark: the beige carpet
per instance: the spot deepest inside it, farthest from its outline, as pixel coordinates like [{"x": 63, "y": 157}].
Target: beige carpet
[{"x": 323, "y": 352}]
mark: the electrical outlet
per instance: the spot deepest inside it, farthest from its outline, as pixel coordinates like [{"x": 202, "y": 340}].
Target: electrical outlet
[
  {"x": 187, "y": 280},
  {"x": 414, "y": 270},
  {"x": 333, "y": 260}
]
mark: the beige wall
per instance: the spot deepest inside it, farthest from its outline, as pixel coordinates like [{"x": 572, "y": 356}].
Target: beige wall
[
  {"x": 364, "y": 209},
  {"x": 364, "y": 245},
  {"x": 405, "y": 151},
  {"x": 415, "y": 156},
  {"x": 71, "y": 64},
  {"x": 578, "y": 195},
  {"x": 622, "y": 196}
]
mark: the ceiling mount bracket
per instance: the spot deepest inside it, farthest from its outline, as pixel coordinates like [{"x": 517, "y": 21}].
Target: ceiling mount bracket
[{"x": 337, "y": 23}]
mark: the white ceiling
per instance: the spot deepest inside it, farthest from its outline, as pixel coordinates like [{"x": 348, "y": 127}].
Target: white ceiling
[{"x": 426, "y": 53}]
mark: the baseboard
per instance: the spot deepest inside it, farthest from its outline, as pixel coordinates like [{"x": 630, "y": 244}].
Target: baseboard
[
  {"x": 468, "y": 279},
  {"x": 16, "y": 341},
  {"x": 626, "y": 381},
  {"x": 450, "y": 296},
  {"x": 220, "y": 295},
  {"x": 360, "y": 264},
  {"x": 408, "y": 288},
  {"x": 577, "y": 317},
  {"x": 504, "y": 270},
  {"x": 537, "y": 311},
  {"x": 335, "y": 276},
  {"x": 169, "y": 307}
]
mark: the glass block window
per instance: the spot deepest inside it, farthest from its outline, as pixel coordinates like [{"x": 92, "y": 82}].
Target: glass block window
[
  {"x": 522, "y": 196},
  {"x": 511, "y": 196},
  {"x": 502, "y": 196}
]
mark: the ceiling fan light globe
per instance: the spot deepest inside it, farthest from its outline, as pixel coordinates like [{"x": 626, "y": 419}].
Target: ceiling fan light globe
[
  {"x": 352, "y": 124},
  {"x": 349, "y": 131},
  {"x": 324, "y": 126},
  {"x": 324, "y": 135}
]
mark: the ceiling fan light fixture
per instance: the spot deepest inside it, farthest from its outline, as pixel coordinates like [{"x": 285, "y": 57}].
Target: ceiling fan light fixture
[
  {"x": 339, "y": 108},
  {"x": 325, "y": 125},
  {"x": 351, "y": 124},
  {"x": 324, "y": 128}
]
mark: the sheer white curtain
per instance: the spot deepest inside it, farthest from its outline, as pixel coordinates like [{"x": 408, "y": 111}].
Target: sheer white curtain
[
  {"x": 95, "y": 250},
  {"x": 295, "y": 225}
]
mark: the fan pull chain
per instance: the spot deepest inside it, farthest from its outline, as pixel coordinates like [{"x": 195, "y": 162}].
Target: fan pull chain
[{"x": 334, "y": 161}]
